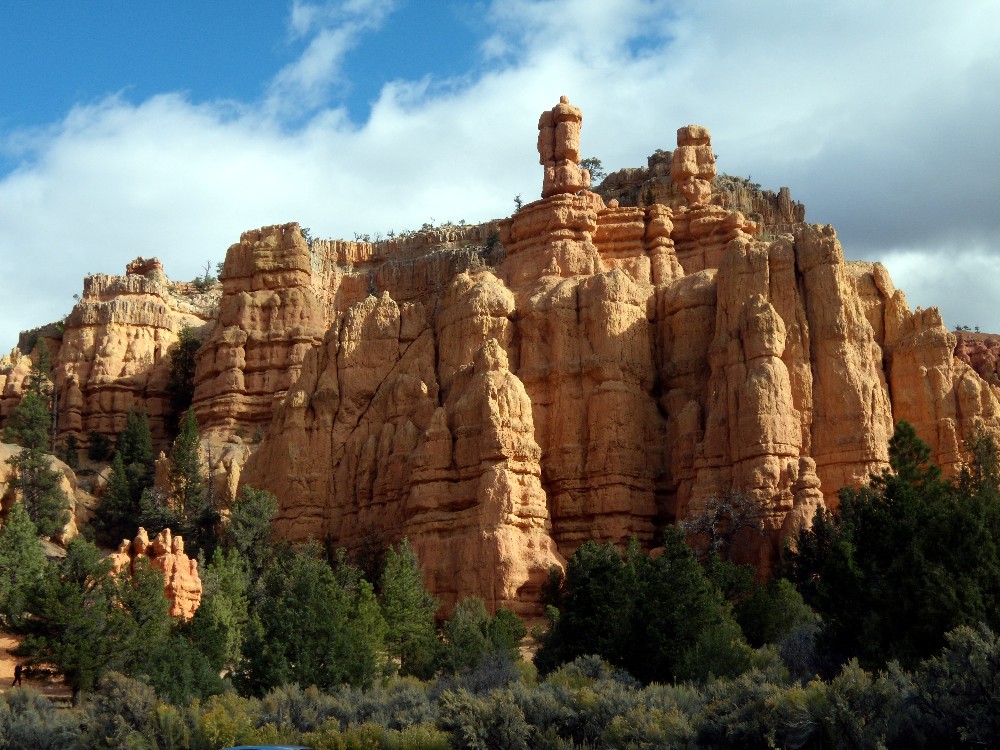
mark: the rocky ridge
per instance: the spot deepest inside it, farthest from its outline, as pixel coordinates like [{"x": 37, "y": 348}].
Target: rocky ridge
[{"x": 596, "y": 366}]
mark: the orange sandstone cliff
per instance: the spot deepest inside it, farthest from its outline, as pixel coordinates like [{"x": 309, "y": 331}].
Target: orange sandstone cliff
[{"x": 596, "y": 366}]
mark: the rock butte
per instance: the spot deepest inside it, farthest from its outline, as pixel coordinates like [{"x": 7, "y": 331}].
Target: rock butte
[{"x": 593, "y": 367}]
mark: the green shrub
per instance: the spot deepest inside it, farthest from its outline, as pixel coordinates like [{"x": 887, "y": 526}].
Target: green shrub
[
  {"x": 29, "y": 721},
  {"x": 492, "y": 723},
  {"x": 120, "y": 709}
]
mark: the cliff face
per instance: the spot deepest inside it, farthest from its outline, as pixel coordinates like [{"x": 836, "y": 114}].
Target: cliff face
[
  {"x": 113, "y": 351},
  {"x": 615, "y": 372},
  {"x": 590, "y": 368}
]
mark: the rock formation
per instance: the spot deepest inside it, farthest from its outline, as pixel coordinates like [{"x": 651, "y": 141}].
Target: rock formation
[
  {"x": 596, "y": 366},
  {"x": 114, "y": 351},
  {"x": 181, "y": 582},
  {"x": 669, "y": 354}
]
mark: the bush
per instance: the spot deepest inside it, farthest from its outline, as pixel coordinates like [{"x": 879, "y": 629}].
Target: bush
[
  {"x": 120, "y": 711},
  {"x": 492, "y": 723},
  {"x": 29, "y": 721}
]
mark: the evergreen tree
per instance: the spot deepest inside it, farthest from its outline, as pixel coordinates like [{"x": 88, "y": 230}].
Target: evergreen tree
[
  {"x": 28, "y": 426},
  {"x": 119, "y": 513},
  {"x": 86, "y": 620},
  {"x": 22, "y": 563},
  {"x": 41, "y": 492},
  {"x": 135, "y": 446},
  {"x": 906, "y": 559},
  {"x": 187, "y": 509},
  {"x": 29, "y": 423},
  {"x": 180, "y": 385},
  {"x": 659, "y": 618},
  {"x": 220, "y": 622},
  {"x": 309, "y": 629},
  {"x": 248, "y": 531},
  {"x": 471, "y": 636},
  {"x": 71, "y": 452},
  {"x": 409, "y": 611}
]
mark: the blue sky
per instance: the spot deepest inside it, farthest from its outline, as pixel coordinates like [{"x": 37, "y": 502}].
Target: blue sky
[{"x": 166, "y": 129}]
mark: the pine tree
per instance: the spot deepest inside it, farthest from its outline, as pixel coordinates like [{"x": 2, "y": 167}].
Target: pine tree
[
  {"x": 87, "y": 620},
  {"x": 409, "y": 611},
  {"x": 29, "y": 423},
  {"x": 248, "y": 531},
  {"x": 22, "y": 563},
  {"x": 41, "y": 492},
  {"x": 119, "y": 513},
  {"x": 182, "y": 369},
  {"x": 188, "y": 508},
  {"x": 28, "y": 426},
  {"x": 187, "y": 481}
]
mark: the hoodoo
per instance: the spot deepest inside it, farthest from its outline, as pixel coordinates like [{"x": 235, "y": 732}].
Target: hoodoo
[{"x": 597, "y": 366}]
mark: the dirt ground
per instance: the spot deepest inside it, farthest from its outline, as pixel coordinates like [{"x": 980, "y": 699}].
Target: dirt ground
[{"x": 53, "y": 688}]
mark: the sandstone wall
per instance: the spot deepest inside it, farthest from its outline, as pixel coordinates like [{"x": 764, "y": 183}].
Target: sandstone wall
[
  {"x": 113, "y": 351},
  {"x": 589, "y": 368},
  {"x": 615, "y": 372}
]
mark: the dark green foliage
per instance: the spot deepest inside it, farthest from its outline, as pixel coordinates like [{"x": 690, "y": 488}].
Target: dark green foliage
[
  {"x": 309, "y": 628},
  {"x": 766, "y": 611},
  {"x": 41, "y": 492},
  {"x": 71, "y": 452},
  {"x": 906, "y": 559},
  {"x": 471, "y": 636},
  {"x": 28, "y": 424},
  {"x": 29, "y": 721},
  {"x": 596, "y": 169},
  {"x": 86, "y": 621},
  {"x": 219, "y": 624},
  {"x": 206, "y": 281},
  {"x": 180, "y": 385},
  {"x": 99, "y": 446},
  {"x": 248, "y": 531},
  {"x": 179, "y": 671},
  {"x": 188, "y": 509},
  {"x": 22, "y": 563},
  {"x": 659, "y": 618},
  {"x": 115, "y": 518},
  {"x": 187, "y": 480},
  {"x": 408, "y": 609},
  {"x": 957, "y": 692}
]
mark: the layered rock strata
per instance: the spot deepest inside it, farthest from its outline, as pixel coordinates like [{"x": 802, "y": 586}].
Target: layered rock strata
[
  {"x": 590, "y": 368},
  {"x": 619, "y": 369},
  {"x": 113, "y": 352}
]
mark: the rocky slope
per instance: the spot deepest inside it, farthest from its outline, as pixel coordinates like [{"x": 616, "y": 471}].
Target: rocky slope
[{"x": 596, "y": 366}]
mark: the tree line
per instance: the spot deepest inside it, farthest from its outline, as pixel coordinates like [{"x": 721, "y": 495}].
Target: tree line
[{"x": 879, "y": 627}]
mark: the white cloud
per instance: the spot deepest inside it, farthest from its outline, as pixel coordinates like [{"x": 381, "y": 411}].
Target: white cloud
[
  {"x": 879, "y": 116},
  {"x": 336, "y": 28}
]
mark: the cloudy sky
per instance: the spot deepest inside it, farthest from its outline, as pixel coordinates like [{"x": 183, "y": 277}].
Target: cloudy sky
[{"x": 166, "y": 129}]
